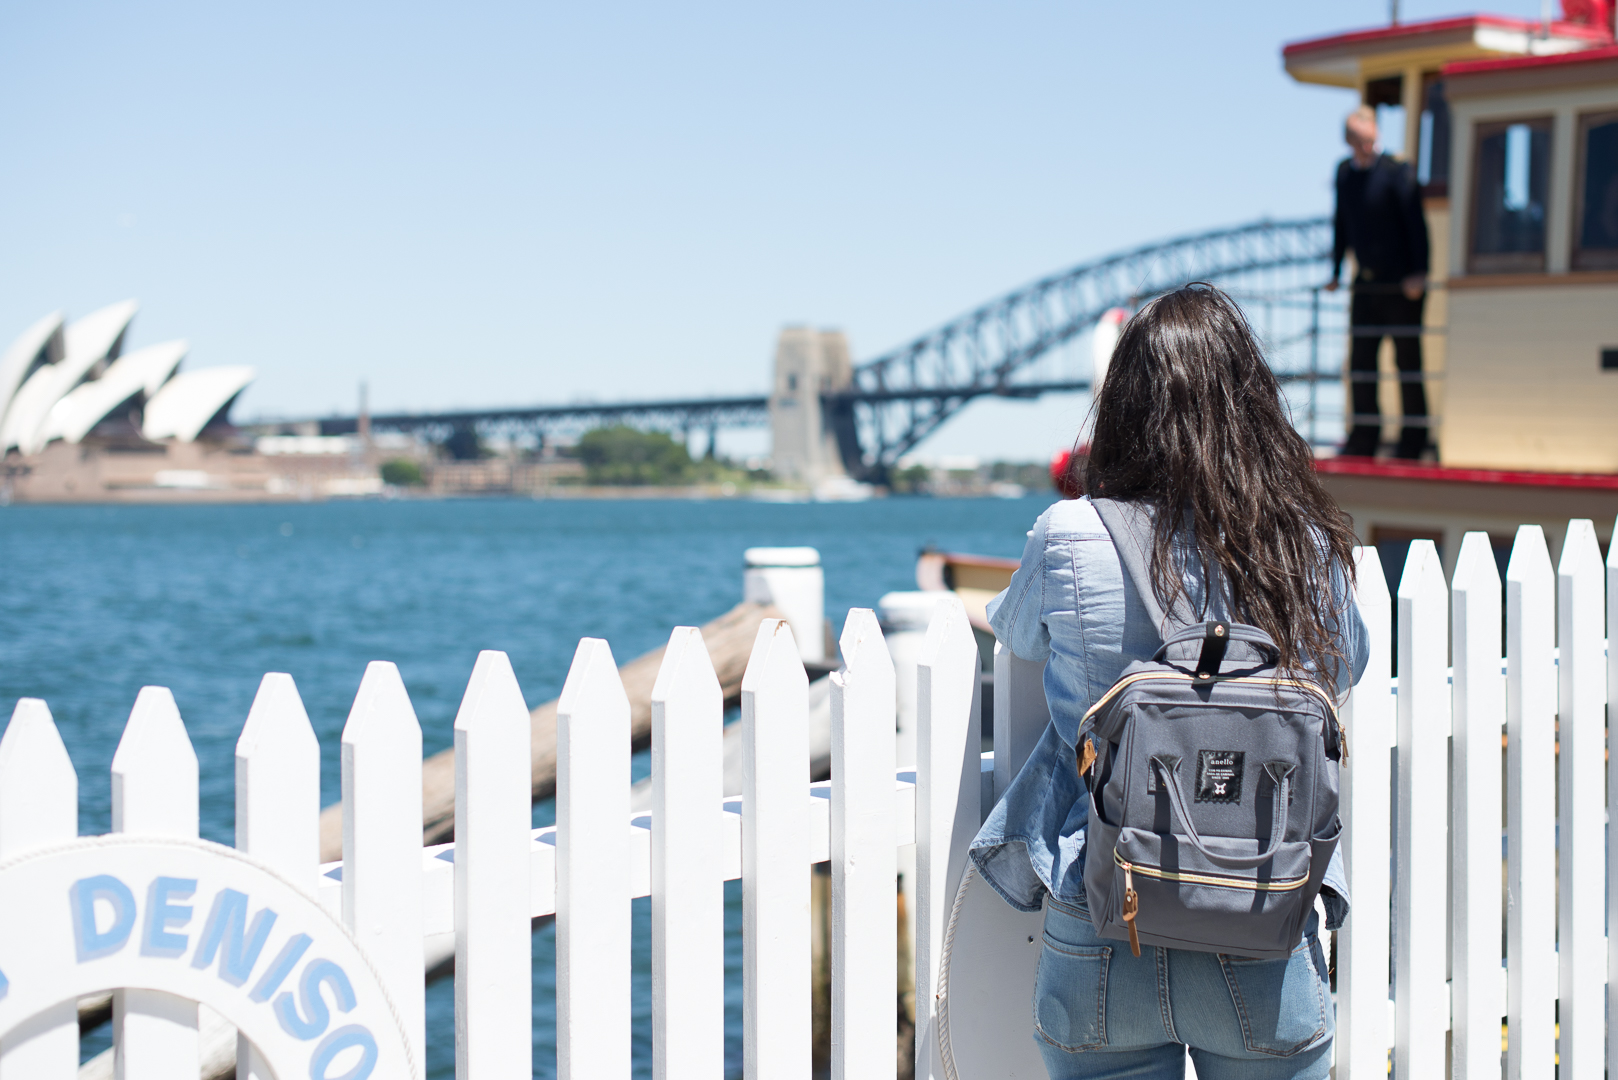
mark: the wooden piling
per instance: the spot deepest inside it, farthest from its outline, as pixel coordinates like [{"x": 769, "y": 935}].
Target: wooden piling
[{"x": 729, "y": 639}]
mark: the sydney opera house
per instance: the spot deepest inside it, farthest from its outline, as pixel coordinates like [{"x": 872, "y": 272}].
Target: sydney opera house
[{"x": 82, "y": 417}]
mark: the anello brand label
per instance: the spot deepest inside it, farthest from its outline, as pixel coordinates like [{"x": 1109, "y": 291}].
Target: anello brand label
[{"x": 1219, "y": 776}]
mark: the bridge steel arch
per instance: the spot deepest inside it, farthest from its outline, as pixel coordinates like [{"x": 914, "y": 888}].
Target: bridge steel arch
[{"x": 901, "y": 397}]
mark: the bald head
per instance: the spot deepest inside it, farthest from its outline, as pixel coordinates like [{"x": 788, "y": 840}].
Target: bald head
[{"x": 1359, "y": 131}]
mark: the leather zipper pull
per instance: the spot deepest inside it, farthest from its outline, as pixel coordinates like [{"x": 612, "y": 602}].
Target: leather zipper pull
[
  {"x": 1087, "y": 755},
  {"x": 1131, "y": 909}
]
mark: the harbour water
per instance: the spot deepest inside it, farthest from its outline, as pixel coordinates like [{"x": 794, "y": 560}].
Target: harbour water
[{"x": 97, "y": 601}]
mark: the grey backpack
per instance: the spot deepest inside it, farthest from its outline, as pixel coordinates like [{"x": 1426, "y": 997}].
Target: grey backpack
[{"x": 1212, "y": 783}]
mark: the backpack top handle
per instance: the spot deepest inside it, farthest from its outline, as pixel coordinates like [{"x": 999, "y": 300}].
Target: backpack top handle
[{"x": 1216, "y": 636}]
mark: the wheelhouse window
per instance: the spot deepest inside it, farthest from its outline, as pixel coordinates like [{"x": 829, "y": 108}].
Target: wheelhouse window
[
  {"x": 1595, "y": 237},
  {"x": 1432, "y": 154},
  {"x": 1510, "y": 190}
]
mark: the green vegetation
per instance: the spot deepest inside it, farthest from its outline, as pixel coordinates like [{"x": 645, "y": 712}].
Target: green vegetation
[
  {"x": 912, "y": 479},
  {"x": 624, "y": 455},
  {"x": 402, "y": 472},
  {"x": 620, "y": 455}
]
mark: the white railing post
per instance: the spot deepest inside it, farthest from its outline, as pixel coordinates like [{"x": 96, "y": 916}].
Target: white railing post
[
  {"x": 1581, "y": 609},
  {"x": 1421, "y": 880},
  {"x": 948, "y": 759},
  {"x": 381, "y": 763},
  {"x": 1478, "y": 709},
  {"x": 592, "y": 869},
  {"x": 1612, "y": 786},
  {"x": 864, "y": 863},
  {"x": 688, "y": 897},
  {"x": 1363, "y": 1037},
  {"x": 1020, "y": 714},
  {"x": 776, "y": 1035},
  {"x": 277, "y": 803},
  {"x": 39, "y": 806},
  {"x": 1531, "y": 979},
  {"x": 154, "y": 791},
  {"x": 493, "y": 939}
]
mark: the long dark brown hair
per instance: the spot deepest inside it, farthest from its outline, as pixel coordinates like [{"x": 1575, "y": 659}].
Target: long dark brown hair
[{"x": 1190, "y": 419}]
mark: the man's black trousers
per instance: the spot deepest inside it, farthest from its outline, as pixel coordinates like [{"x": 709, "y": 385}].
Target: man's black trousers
[{"x": 1374, "y": 305}]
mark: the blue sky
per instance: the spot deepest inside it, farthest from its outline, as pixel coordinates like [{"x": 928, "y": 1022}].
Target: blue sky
[{"x": 491, "y": 204}]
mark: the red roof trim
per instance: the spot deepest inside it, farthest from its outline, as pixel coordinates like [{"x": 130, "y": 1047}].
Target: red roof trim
[
  {"x": 1438, "y": 26},
  {"x": 1512, "y": 63},
  {"x": 1346, "y": 466}
]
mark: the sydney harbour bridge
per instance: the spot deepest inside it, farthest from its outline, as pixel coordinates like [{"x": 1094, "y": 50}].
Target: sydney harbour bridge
[{"x": 1275, "y": 269}]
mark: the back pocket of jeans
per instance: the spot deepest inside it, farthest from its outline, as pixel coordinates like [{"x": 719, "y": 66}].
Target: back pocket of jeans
[
  {"x": 1281, "y": 1003},
  {"x": 1070, "y": 995}
]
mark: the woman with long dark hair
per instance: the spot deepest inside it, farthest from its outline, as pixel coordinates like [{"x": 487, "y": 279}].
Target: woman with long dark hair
[{"x": 1191, "y": 426}]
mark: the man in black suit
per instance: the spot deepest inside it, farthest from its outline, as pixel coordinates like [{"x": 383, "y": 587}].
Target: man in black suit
[{"x": 1379, "y": 218}]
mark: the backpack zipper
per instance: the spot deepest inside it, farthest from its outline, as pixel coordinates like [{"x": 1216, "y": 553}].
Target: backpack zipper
[
  {"x": 1131, "y": 904},
  {"x": 1283, "y": 885},
  {"x": 1178, "y": 676}
]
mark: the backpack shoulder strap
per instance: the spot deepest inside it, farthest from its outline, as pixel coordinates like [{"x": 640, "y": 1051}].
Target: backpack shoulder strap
[{"x": 1131, "y": 528}]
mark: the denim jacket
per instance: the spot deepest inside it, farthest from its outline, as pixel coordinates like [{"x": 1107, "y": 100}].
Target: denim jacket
[{"x": 1071, "y": 604}]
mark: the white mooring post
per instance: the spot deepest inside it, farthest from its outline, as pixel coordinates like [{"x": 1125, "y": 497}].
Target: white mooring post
[
  {"x": 1421, "y": 879},
  {"x": 1531, "y": 976},
  {"x": 154, "y": 791},
  {"x": 688, "y": 863},
  {"x": 864, "y": 864},
  {"x": 1612, "y": 786},
  {"x": 948, "y": 757},
  {"x": 277, "y": 803},
  {"x": 493, "y": 939},
  {"x": 381, "y": 762},
  {"x": 1479, "y": 713},
  {"x": 776, "y": 1035},
  {"x": 1363, "y": 1037},
  {"x": 592, "y": 869},
  {"x": 1020, "y": 714},
  {"x": 790, "y": 578},
  {"x": 39, "y": 806},
  {"x": 1582, "y": 674}
]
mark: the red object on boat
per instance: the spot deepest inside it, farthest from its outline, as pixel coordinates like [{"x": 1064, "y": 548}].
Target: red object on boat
[{"x": 1065, "y": 473}]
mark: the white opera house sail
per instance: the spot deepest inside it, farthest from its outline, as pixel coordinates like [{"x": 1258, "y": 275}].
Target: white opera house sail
[
  {"x": 88, "y": 415},
  {"x": 65, "y": 381}
]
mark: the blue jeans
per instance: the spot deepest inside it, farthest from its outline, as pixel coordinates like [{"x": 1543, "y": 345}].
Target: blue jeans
[{"x": 1099, "y": 1011}]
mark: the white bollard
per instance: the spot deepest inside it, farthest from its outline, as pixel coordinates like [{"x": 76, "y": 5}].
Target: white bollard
[{"x": 791, "y": 579}]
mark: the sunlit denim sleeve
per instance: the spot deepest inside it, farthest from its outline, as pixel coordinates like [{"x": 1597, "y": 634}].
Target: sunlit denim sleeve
[
  {"x": 1017, "y": 615},
  {"x": 1354, "y": 641}
]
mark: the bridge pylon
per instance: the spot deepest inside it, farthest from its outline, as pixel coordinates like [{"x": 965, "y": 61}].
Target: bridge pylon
[{"x": 809, "y": 364}]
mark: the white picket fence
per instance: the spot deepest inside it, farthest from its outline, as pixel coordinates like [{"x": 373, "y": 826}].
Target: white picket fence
[{"x": 499, "y": 874}]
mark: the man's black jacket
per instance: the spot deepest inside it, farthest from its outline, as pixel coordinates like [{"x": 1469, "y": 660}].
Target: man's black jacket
[{"x": 1379, "y": 216}]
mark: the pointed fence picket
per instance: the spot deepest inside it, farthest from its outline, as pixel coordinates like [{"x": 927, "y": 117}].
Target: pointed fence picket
[
  {"x": 154, "y": 791},
  {"x": 1612, "y": 786},
  {"x": 1421, "y": 894},
  {"x": 1450, "y": 702},
  {"x": 688, "y": 857},
  {"x": 277, "y": 804},
  {"x": 493, "y": 972},
  {"x": 1363, "y": 1033},
  {"x": 1581, "y": 675},
  {"x": 592, "y": 862},
  {"x": 775, "y": 858},
  {"x": 39, "y": 807},
  {"x": 864, "y": 940},
  {"x": 382, "y": 873},
  {"x": 1531, "y": 977},
  {"x": 948, "y": 766},
  {"x": 1478, "y": 713}
]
